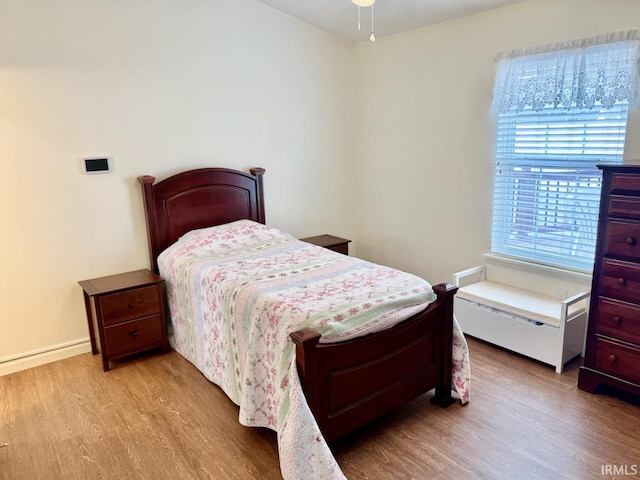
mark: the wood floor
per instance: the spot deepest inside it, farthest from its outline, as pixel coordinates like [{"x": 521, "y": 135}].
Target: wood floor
[{"x": 155, "y": 417}]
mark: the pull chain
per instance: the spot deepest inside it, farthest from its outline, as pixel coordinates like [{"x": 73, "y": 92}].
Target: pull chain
[
  {"x": 371, "y": 3},
  {"x": 372, "y": 37}
]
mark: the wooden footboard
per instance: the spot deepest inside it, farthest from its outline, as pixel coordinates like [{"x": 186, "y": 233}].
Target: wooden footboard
[{"x": 350, "y": 383}]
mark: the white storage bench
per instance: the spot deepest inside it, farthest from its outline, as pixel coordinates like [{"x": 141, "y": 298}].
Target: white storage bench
[{"x": 538, "y": 326}]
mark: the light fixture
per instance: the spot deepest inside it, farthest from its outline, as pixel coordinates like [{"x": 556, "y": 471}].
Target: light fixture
[{"x": 366, "y": 3}]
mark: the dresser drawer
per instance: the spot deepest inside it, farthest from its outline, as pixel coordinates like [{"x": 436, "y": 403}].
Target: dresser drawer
[
  {"x": 624, "y": 206},
  {"x": 135, "y": 303},
  {"x": 618, "y": 360},
  {"x": 621, "y": 280},
  {"x": 622, "y": 239},
  {"x": 629, "y": 182},
  {"x": 133, "y": 336},
  {"x": 619, "y": 320}
]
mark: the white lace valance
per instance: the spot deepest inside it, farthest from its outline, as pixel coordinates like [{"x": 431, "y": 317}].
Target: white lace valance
[{"x": 596, "y": 72}]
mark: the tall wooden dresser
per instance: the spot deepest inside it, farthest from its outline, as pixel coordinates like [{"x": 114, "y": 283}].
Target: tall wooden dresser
[{"x": 612, "y": 355}]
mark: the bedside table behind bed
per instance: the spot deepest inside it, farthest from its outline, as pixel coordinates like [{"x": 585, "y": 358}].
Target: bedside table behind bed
[{"x": 337, "y": 244}]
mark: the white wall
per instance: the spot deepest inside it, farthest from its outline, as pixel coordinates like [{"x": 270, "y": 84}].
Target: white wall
[
  {"x": 402, "y": 164},
  {"x": 159, "y": 87},
  {"x": 425, "y": 166}
]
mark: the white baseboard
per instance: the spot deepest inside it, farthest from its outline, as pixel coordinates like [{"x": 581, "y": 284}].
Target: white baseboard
[{"x": 41, "y": 357}]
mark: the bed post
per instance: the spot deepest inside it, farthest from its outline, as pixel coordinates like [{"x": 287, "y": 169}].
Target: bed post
[
  {"x": 150, "y": 215},
  {"x": 445, "y": 292},
  {"x": 258, "y": 172},
  {"x": 306, "y": 341}
]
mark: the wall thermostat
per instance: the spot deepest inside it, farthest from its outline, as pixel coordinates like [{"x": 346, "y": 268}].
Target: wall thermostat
[{"x": 96, "y": 165}]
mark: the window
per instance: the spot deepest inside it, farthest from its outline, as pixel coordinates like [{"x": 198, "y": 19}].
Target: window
[{"x": 559, "y": 114}]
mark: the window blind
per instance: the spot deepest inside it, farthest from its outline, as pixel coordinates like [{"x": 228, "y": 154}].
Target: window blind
[{"x": 547, "y": 184}]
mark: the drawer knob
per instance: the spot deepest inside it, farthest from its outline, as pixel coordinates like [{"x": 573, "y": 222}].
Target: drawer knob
[
  {"x": 617, "y": 319},
  {"x": 131, "y": 305},
  {"x": 613, "y": 358},
  {"x": 134, "y": 333},
  {"x": 630, "y": 241},
  {"x": 621, "y": 281}
]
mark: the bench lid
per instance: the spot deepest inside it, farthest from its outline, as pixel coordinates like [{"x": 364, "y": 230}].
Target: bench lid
[{"x": 540, "y": 308}]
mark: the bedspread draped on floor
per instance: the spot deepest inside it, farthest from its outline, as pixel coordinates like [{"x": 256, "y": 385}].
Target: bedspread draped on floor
[{"x": 238, "y": 290}]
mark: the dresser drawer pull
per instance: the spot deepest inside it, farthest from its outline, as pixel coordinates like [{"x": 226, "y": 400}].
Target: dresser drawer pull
[
  {"x": 621, "y": 281},
  {"x": 617, "y": 320},
  {"x": 630, "y": 241},
  {"x": 134, "y": 333},
  {"x": 131, "y": 305},
  {"x": 612, "y": 358}
]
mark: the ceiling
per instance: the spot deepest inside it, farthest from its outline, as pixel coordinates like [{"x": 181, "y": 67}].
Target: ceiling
[{"x": 390, "y": 16}]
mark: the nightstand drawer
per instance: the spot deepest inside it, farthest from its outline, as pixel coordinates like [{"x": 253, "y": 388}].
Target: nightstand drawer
[
  {"x": 123, "y": 306},
  {"x": 337, "y": 244},
  {"x": 342, "y": 248},
  {"x": 619, "y": 360},
  {"x": 133, "y": 336}
]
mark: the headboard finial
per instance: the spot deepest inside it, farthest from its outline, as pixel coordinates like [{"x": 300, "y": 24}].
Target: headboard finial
[{"x": 146, "y": 179}]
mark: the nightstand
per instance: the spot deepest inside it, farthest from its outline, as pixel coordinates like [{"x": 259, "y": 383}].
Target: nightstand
[
  {"x": 126, "y": 314},
  {"x": 337, "y": 244}
]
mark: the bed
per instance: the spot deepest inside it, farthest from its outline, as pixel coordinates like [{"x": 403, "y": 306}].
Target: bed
[{"x": 332, "y": 385}]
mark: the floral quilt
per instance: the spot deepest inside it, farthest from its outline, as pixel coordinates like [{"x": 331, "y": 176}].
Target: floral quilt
[{"x": 236, "y": 292}]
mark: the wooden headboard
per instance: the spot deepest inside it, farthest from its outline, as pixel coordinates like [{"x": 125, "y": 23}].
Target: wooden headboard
[{"x": 197, "y": 199}]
